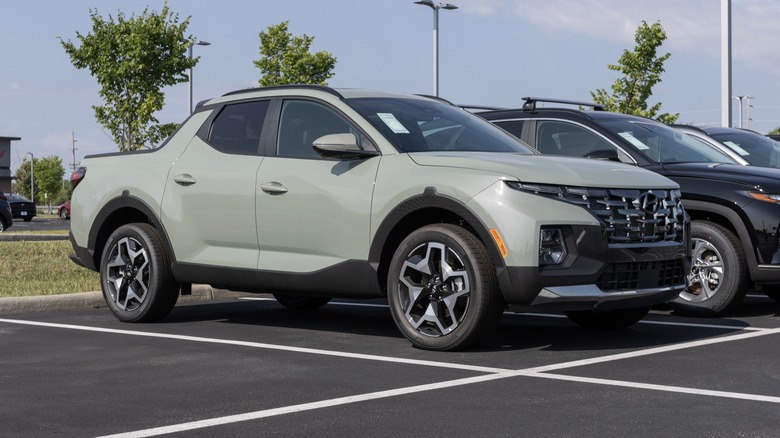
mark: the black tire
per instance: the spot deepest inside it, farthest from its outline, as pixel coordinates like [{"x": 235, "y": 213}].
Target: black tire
[
  {"x": 450, "y": 312},
  {"x": 2, "y": 226},
  {"x": 608, "y": 319},
  {"x": 296, "y": 302},
  {"x": 64, "y": 214},
  {"x": 772, "y": 292},
  {"x": 717, "y": 282},
  {"x": 135, "y": 273}
]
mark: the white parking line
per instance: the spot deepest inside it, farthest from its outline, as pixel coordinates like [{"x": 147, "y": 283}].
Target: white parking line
[{"x": 491, "y": 374}]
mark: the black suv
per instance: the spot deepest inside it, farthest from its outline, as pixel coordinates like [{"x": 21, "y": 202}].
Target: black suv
[
  {"x": 733, "y": 208},
  {"x": 6, "y": 220}
]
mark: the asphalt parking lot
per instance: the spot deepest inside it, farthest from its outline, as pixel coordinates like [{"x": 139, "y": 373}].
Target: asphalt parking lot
[{"x": 250, "y": 367}]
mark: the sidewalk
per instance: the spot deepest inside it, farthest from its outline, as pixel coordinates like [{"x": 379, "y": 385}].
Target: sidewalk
[{"x": 85, "y": 300}]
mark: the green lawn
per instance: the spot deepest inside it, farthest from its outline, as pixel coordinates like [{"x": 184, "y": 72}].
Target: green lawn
[{"x": 42, "y": 268}]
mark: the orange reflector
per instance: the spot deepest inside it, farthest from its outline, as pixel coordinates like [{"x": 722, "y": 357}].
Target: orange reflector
[{"x": 499, "y": 242}]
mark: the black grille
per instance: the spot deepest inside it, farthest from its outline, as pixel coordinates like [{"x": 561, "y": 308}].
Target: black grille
[
  {"x": 642, "y": 275},
  {"x": 630, "y": 216}
]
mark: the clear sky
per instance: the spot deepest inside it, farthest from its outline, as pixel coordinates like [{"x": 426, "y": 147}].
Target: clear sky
[{"x": 492, "y": 52}]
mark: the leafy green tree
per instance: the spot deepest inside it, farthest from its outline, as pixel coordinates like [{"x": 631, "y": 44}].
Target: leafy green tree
[
  {"x": 285, "y": 59},
  {"x": 133, "y": 59},
  {"x": 775, "y": 131},
  {"x": 48, "y": 179},
  {"x": 641, "y": 69}
]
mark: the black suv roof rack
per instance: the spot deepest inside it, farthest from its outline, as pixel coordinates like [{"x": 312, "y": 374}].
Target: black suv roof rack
[
  {"x": 530, "y": 103},
  {"x": 292, "y": 86}
]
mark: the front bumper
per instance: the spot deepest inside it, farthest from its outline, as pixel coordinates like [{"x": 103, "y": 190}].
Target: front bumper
[{"x": 599, "y": 276}]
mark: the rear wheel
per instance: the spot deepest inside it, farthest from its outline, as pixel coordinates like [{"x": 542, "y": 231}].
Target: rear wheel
[
  {"x": 135, "y": 274},
  {"x": 718, "y": 277},
  {"x": 64, "y": 214},
  {"x": 608, "y": 319},
  {"x": 442, "y": 289},
  {"x": 301, "y": 302}
]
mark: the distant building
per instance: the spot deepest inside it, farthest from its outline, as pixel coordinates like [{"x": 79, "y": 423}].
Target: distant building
[{"x": 5, "y": 163}]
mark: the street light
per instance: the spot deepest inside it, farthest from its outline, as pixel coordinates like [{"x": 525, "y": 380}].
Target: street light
[
  {"x": 32, "y": 176},
  {"x": 739, "y": 98},
  {"x": 436, "y": 7},
  {"x": 189, "y": 50}
]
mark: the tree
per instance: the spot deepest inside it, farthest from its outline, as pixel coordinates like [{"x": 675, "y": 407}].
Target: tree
[
  {"x": 285, "y": 59},
  {"x": 48, "y": 178},
  {"x": 775, "y": 131},
  {"x": 641, "y": 71},
  {"x": 132, "y": 60}
]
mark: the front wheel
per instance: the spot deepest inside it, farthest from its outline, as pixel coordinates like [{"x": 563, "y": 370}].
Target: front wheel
[
  {"x": 717, "y": 282},
  {"x": 135, "y": 273},
  {"x": 442, "y": 289},
  {"x": 608, "y": 319},
  {"x": 63, "y": 214}
]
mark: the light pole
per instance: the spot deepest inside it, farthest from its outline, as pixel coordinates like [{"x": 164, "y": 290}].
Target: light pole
[
  {"x": 740, "y": 108},
  {"x": 436, "y": 7},
  {"x": 189, "y": 50},
  {"x": 32, "y": 176}
]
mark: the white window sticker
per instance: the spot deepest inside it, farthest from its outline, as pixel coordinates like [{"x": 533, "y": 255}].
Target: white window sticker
[
  {"x": 737, "y": 148},
  {"x": 633, "y": 140},
  {"x": 392, "y": 123}
]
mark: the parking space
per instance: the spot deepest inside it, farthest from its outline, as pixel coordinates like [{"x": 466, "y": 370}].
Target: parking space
[{"x": 249, "y": 366}]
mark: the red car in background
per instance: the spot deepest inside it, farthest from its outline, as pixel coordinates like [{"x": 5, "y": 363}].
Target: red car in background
[{"x": 63, "y": 211}]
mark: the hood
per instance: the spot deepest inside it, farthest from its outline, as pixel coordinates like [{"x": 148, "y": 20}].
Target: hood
[
  {"x": 767, "y": 178},
  {"x": 548, "y": 169}
]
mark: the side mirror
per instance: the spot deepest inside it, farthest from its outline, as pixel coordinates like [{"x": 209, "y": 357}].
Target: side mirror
[
  {"x": 604, "y": 154},
  {"x": 341, "y": 146}
]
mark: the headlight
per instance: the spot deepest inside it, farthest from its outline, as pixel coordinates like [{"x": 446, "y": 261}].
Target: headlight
[
  {"x": 552, "y": 248},
  {"x": 774, "y": 198}
]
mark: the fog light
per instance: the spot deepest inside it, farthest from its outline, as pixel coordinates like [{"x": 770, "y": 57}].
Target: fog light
[{"x": 552, "y": 249}]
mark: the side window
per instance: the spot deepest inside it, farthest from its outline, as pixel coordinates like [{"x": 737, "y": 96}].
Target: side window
[
  {"x": 302, "y": 122},
  {"x": 562, "y": 138},
  {"x": 238, "y": 127},
  {"x": 514, "y": 127}
]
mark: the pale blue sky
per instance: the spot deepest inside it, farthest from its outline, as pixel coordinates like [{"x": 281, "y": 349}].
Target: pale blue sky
[{"x": 492, "y": 52}]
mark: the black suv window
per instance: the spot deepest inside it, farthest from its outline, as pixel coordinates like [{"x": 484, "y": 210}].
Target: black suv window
[
  {"x": 237, "y": 128},
  {"x": 563, "y": 138},
  {"x": 302, "y": 122}
]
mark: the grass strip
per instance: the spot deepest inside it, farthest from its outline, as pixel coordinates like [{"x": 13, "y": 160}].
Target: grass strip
[{"x": 42, "y": 268}]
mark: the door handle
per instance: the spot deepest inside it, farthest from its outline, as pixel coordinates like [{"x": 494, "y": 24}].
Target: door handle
[
  {"x": 184, "y": 179},
  {"x": 273, "y": 188}
]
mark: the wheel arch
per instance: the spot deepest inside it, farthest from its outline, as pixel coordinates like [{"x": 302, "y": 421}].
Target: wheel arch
[
  {"x": 120, "y": 211},
  {"x": 427, "y": 208},
  {"x": 729, "y": 219}
]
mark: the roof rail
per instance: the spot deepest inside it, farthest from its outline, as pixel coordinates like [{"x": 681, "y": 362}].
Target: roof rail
[
  {"x": 291, "y": 86},
  {"x": 440, "y": 99},
  {"x": 530, "y": 103}
]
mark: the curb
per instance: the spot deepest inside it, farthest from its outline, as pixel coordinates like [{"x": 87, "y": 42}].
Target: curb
[
  {"x": 93, "y": 300},
  {"x": 6, "y": 237}
]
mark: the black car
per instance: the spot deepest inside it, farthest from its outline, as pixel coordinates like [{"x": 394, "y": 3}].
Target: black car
[
  {"x": 21, "y": 207},
  {"x": 756, "y": 149},
  {"x": 734, "y": 209},
  {"x": 6, "y": 219}
]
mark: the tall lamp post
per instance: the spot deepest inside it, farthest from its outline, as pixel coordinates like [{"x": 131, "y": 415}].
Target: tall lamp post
[
  {"x": 189, "y": 50},
  {"x": 436, "y": 7},
  {"x": 32, "y": 176}
]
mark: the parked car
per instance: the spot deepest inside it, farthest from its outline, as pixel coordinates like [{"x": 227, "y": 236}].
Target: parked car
[
  {"x": 21, "y": 207},
  {"x": 756, "y": 149},
  {"x": 6, "y": 218},
  {"x": 350, "y": 193},
  {"x": 734, "y": 209},
  {"x": 63, "y": 211}
]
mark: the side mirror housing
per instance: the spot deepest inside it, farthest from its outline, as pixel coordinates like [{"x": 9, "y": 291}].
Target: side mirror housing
[{"x": 341, "y": 146}]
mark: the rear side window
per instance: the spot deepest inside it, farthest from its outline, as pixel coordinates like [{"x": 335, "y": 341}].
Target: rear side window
[{"x": 238, "y": 128}]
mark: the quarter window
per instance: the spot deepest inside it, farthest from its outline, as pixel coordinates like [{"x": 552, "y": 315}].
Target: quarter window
[{"x": 238, "y": 128}]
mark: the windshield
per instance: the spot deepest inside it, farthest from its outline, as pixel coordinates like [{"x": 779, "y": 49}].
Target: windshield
[
  {"x": 420, "y": 125},
  {"x": 757, "y": 149},
  {"x": 663, "y": 144}
]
